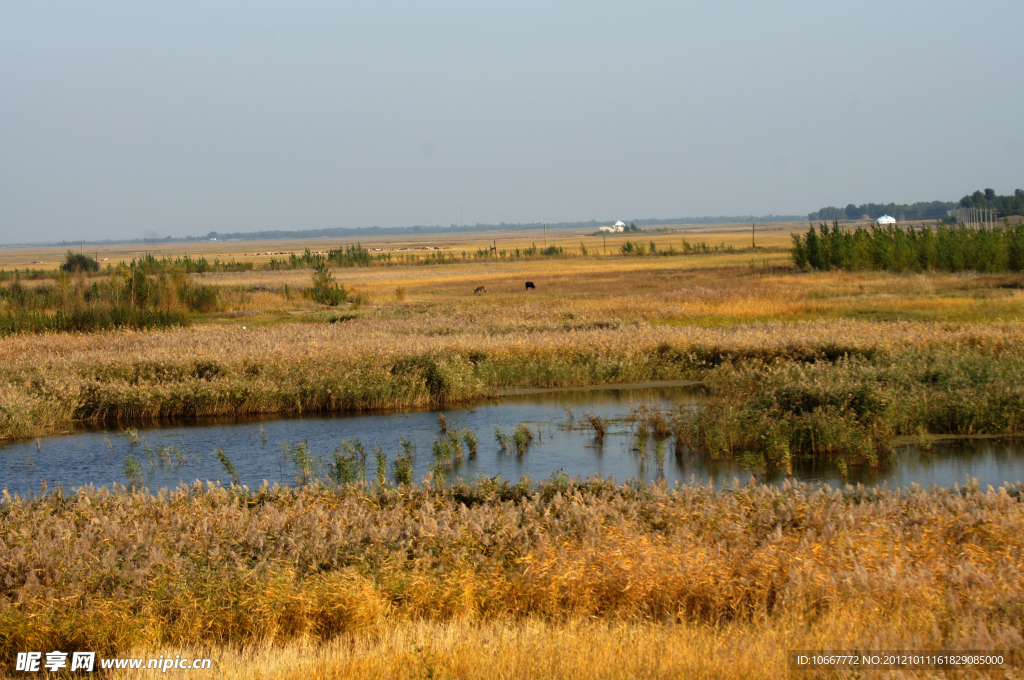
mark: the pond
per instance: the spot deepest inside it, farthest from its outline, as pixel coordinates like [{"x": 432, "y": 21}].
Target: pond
[{"x": 170, "y": 454}]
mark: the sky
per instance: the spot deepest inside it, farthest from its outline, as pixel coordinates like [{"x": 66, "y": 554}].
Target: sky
[{"x": 142, "y": 120}]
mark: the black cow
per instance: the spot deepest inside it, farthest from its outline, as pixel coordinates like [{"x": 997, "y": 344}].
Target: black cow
[{"x": 530, "y": 286}]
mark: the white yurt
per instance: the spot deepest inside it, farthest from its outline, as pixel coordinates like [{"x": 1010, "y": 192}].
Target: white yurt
[
  {"x": 620, "y": 226},
  {"x": 885, "y": 220}
]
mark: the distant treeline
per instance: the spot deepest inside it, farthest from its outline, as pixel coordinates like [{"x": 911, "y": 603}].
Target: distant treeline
[
  {"x": 893, "y": 248},
  {"x": 357, "y": 232},
  {"x": 1006, "y": 205},
  {"x": 930, "y": 210},
  {"x": 346, "y": 232}
]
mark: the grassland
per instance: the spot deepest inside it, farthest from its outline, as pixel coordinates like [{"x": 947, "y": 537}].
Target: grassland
[{"x": 561, "y": 580}]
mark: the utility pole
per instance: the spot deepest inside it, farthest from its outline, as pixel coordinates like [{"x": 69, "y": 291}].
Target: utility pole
[
  {"x": 83, "y": 247},
  {"x": 752, "y": 244},
  {"x": 605, "y": 237},
  {"x": 545, "y": 236}
]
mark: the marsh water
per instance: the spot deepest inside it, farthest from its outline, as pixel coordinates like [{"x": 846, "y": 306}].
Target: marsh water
[{"x": 170, "y": 454}]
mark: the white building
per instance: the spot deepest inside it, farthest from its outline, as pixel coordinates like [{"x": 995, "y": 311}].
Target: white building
[
  {"x": 618, "y": 227},
  {"x": 885, "y": 220}
]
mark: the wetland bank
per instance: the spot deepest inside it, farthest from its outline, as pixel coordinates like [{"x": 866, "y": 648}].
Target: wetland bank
[{"x": 794, "y": 366}]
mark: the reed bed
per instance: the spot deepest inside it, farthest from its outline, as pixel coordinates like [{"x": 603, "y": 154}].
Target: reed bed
[
  {"x": 49, "y": 382},
  {"x": 850, "y": 410},
  {"x": 208, "y": 566}
]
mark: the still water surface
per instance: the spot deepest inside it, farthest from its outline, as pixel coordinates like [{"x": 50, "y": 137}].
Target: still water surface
[{"x": 254, "y": 447}]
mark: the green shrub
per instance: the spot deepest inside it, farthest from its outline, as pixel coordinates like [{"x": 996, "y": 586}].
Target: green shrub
[{"x": 75, "y": 262}]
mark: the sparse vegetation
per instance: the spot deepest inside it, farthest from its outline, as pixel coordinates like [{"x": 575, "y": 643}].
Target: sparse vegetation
[
  {"x": 307, "y": 466},
  {"x": 598, "y": 424},
  {"x": 446, "y": 448},
  {"x": 381, "y": 467},
  {"x": 469, "y": 438},
  {"x": 226, "y": 464},
  {"x": 133, "y": 471},
  {"x": 349, "y": 464},
  {"x": 503, "y": 439},
  {"x": 522, "y": 437},
  {"x": 403, "y": 464}
]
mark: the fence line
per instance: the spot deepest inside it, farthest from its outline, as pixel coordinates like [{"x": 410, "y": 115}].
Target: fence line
[{"x": 975, "y": 218}]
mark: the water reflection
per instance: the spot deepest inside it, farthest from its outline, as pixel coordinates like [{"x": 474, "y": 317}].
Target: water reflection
[
  {"x": 175, "y": 453},
  {"x": 993, "y": 462}
]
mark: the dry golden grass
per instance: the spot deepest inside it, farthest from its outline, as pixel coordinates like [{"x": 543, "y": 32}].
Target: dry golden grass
[
  {"x": 579, "y": 650},
  {"x": 564, "y": 580},
  {"x": 677, "y": 291}
]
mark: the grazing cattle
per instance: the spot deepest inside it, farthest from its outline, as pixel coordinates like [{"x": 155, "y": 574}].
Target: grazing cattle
[
  {"x": 480, "y": 289},
  {"x": 530, "y": 286}
]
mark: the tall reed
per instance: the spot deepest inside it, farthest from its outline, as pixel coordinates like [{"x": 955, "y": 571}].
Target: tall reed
[{"x": 109, "y": 570}]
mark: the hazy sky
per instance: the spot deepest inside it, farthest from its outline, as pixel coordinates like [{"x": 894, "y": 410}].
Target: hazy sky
[{"x": 121, "y": 120}]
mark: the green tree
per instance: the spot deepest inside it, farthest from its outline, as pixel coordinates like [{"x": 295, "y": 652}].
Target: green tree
[{"x": 326, "y": 290}]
